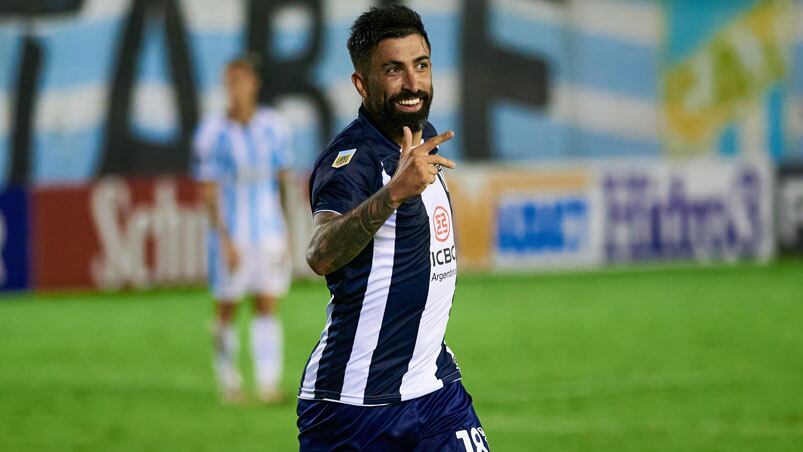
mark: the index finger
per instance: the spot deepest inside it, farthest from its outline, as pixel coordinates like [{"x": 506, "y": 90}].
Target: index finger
[
  {"x": 442, "y": 161},
  {"x": 434, "y": 142}
]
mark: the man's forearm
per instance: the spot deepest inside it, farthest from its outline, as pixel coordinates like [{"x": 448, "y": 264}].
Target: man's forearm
[{"x": 337, "y": 239}]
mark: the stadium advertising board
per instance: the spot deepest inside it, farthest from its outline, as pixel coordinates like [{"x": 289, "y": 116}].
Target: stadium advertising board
[
  {"x": 14, "y": 239},
  {"x": 511, "y": 219},
  {"x": 610, "y": 212},
  {"x": 117, "y": 233},
  {"x": 695, "y": 210},
  {"x": 790, "y": 210}
]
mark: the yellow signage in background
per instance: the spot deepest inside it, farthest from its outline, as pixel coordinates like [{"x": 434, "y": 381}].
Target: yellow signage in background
[{"x": 725, "y": 80}]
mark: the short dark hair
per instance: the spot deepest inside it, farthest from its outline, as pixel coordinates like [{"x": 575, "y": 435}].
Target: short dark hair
[
  {"x": 377, "y": 24},
  {"x": 250, "y": 61}
]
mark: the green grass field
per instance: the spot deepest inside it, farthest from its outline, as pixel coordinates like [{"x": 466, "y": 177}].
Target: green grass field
[{"x": 701, "y": 359}]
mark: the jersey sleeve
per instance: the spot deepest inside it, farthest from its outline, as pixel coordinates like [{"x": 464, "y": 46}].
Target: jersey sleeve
[
  {"x": 205, "y": 161},
  {"x": 342, "y": 189}
]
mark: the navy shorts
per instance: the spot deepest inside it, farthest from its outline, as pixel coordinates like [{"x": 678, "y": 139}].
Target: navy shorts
[{"x": 444, "y": 420}]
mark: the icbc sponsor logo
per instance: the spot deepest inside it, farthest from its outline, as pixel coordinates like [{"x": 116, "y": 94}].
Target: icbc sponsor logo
[{"x": 441, "y": 222}]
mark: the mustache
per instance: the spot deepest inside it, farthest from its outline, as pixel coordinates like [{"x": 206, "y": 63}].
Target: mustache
[{"x": 408, "y": 95}]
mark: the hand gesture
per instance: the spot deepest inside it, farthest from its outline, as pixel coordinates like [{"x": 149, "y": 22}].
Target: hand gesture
[{"x": 417, "y": 168}]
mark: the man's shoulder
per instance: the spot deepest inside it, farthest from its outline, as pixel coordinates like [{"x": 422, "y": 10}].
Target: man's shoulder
[
  {"x": 429, "y": 131},
  {"x": 352, "y": 144}
]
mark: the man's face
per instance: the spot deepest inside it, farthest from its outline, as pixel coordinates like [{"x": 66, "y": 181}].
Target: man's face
[
  {"x": 242, "y": 85},
  {"x": 399, "y": 83}
]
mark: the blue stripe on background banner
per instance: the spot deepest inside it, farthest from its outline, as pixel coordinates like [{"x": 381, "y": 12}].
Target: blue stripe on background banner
[
  {"x": 66, "y": 156},
  {"x": 616, "y": 66},
  {"x": 152, "y": 66},
  {"x": 601, "y": 62},
  {"x": 85, "y": 54},
  {"x": 775, "y": 126},
  {"x": 522, "y": 134},
  {"x": 10, "y": 42},
  {"x": 691, "y": 23},
  {"x": 81, "y": 53},
  {"x": 526, "y": 134},
  {"x": 10, "y": 46},
  {"x": 596, "y": 145},
  {"x": 729, "y": 141}
]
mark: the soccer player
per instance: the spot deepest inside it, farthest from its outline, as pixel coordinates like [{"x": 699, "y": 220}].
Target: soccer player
[
  {"x": 381, "y": 376},
  {"x": 242, "y": 159}
]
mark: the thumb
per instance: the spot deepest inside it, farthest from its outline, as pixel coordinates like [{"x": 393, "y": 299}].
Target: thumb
[{"x": 407, "y": 141}]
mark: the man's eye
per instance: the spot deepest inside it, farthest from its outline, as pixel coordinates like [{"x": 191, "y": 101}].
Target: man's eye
[
  {"x": 393, "y": 69},
  {"x": 423, "y": 65}
]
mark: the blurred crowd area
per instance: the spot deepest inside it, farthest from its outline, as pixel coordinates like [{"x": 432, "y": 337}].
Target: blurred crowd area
[{"x": 589, "y": 132}]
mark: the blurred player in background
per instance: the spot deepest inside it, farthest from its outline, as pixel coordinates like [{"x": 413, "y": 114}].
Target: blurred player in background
[
  {"x": 381, "y": 377},
  {"x": 242, "y": 159}
]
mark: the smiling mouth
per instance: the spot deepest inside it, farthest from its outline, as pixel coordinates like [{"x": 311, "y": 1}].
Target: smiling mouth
[{"x": 410, "y": 104}]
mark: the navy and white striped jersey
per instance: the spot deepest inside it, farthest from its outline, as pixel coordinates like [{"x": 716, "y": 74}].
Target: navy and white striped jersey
[{"x": 384, "y": 336}]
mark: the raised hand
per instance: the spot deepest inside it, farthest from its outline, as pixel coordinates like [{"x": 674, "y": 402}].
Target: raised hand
[
  {"x": 337, "y": 239},
  {"x": 417, "y": 168}
]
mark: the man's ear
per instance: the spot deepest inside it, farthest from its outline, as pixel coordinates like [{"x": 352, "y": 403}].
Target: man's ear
[{"x": 360, "y": 83}]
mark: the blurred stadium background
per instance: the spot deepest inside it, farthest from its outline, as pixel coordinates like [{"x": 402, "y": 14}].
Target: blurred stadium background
[{"x": 629, "y": 202}]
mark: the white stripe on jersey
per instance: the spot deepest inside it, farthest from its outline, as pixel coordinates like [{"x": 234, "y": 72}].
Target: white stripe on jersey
[
  {"x": 422, "y": 368},
  {"x": 311, "y": 373},
  {"x": 372, "y": 312}
]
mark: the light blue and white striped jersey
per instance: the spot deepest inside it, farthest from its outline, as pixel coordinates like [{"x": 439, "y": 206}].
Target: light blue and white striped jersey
[{"x": 244, "y": 160}]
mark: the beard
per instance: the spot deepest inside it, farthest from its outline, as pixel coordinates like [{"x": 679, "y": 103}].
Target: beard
[{"x": 395, "y": 120}]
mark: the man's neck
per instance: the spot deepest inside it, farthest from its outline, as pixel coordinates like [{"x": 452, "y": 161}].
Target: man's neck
[
  {"x": 395, "y": 136},
  {"x": 243, "y": 113}
]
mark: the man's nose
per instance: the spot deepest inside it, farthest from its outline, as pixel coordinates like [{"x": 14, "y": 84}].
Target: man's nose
[{"x": 410, "y": 81}]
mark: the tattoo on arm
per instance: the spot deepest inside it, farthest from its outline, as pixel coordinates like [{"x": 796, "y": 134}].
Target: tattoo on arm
[{"x": 337, "y": 239}]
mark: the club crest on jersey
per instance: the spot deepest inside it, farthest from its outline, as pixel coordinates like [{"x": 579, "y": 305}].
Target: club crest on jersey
[
  {"x": 343, "y": 158},
  {"x": 442, "y": 226}
]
